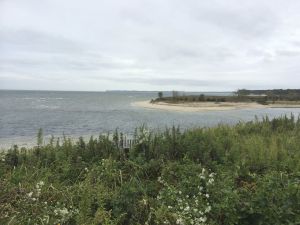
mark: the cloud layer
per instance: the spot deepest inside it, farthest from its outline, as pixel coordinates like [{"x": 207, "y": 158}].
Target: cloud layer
[{"x": 149, "y": 45}]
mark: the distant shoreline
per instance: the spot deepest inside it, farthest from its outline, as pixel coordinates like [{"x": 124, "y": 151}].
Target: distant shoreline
[{"x": 207, "y": 106}]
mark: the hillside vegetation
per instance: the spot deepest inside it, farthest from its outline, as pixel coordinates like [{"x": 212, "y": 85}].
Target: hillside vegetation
[{"x": 245, "y": 174}]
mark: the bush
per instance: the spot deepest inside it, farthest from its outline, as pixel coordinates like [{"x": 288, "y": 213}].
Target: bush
[{"x": 243, "y": 174}]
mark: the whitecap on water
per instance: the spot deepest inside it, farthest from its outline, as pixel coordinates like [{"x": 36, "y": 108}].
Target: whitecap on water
[{"x": 47, "y": 107}]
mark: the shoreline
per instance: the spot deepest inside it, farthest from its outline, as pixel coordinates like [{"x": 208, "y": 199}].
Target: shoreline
[{"x": 207, "y": 106}]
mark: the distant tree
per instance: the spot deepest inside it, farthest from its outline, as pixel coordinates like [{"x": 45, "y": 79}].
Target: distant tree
[
  {"x": 160, "y": 94},
  {"x": 202, "y": 98},
  {"x": 243, "y": 92}
]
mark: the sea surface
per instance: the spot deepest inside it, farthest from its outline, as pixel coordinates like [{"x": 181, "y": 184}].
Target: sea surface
[{"x": 76, "y": 114}]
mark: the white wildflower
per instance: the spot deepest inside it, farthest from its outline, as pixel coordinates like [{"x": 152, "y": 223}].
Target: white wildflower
[
  {"x": 207, "y": 210},
  {"x": 40, "y": 184},
  {"x": 64, "y": 211},
  {"x": 211, "y": 181},
  {"x": 180, "y": 221},
  {"x": 203, "y": 219},
  {"x": 144, "y": 201}
]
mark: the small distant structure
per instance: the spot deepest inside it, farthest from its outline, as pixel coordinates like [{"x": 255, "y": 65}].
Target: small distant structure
[{"x": 124, "y": 144}]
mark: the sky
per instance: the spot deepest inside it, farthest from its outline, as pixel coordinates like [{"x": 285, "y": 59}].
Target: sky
[{"x": 190, "y": 45}]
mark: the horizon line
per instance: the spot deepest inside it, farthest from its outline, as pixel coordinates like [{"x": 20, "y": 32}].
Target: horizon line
[{"x": 111, "y": 90}]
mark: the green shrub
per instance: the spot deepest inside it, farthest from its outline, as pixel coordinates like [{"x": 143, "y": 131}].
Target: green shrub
[{"x": 243, "y": 174}]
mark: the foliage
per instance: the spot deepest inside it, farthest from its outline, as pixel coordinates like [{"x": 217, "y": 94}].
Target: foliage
[
  {"x": 160, "y": 94},
  {"x": 243, "y": 174},
  {"x": 289, "y": 96}
]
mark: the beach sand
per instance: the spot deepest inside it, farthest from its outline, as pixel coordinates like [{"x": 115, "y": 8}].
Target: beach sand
[{"x": 207, "y": 106}]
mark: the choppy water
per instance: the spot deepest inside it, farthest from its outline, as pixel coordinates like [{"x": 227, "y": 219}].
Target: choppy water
[{"x": 75, "y": 114}]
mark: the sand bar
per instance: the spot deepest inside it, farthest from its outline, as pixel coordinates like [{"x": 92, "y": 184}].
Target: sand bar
[{"x": 208, "y": 106}]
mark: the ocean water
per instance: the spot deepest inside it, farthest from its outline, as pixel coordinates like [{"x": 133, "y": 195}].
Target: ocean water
[{"x": 76, "y": 114}]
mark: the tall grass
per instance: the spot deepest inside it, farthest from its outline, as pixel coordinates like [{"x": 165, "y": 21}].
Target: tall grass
[{"x": 253, "y": 173}]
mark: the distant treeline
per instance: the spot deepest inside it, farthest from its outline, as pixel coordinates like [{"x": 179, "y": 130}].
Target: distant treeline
[
  {"x": 274, "y": 94},
  {"x": 242, "y": 95},
  {"x": 204, "y": 98},
  {"x": 269, "y": 92}
]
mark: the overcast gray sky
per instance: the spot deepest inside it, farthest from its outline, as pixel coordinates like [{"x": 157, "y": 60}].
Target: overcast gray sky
[{"x": 190, "y": 45}]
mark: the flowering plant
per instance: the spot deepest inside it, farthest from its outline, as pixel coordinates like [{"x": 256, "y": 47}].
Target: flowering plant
[{"x": 188, "y": 200}]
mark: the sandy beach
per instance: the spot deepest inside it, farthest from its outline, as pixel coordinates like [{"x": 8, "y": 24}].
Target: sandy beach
[{"x": 208, "y": 106}]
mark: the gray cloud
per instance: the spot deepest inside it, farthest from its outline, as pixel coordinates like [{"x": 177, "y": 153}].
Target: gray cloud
[
  {"x": 180, "y": 82},
  {"x": 172, "y": 44},
  {"x": 245, "y": 22},
  {"x": 288, "y": 53},
  {"x": 35, "y": 41}
]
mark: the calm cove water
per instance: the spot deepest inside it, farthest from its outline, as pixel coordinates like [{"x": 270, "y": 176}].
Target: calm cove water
[{"x": 76, "y": 114}]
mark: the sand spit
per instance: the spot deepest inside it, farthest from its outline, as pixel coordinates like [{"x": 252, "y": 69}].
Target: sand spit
[{"x": 207, "y": 106}]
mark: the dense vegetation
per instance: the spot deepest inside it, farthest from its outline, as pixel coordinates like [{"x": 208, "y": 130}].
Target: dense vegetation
[
  {"x": 246, "y": 174},
  {"x": 242, "y": 95},
  {"x": 272, "y": 92},
  {"x": 204, "y": 98}
]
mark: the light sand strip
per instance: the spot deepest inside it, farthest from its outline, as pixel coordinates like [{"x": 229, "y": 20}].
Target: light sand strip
[{"x": 199, "y": 106}]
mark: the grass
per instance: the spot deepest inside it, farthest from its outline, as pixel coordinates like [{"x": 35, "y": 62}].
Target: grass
[{"x": 243, "y": 174}]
